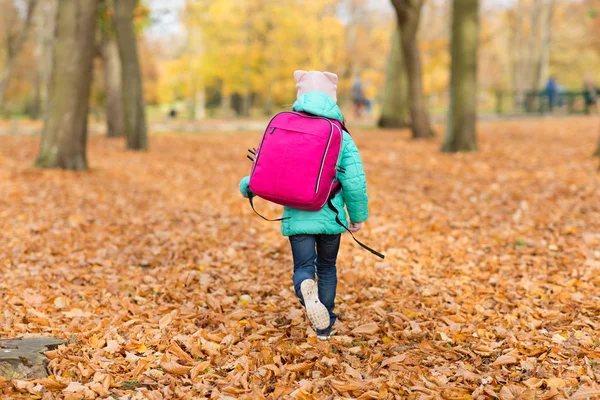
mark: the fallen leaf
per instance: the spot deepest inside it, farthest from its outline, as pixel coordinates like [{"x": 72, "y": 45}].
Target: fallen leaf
[
  {"x": 393, "y": 360},
  {"x": 367, "y": 329},
  {"x": 175, "y": 368},
  {"x": 505, "y": 360}
]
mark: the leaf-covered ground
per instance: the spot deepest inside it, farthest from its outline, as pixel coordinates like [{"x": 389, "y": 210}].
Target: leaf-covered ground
[{"x": 167, "y": 286}]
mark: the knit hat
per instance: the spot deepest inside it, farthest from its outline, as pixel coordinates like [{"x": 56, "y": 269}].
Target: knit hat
[{"x": 316, "y": 81}]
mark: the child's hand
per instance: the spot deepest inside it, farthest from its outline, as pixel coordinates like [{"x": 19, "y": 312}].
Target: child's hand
[{"x": 355, "y": 226}]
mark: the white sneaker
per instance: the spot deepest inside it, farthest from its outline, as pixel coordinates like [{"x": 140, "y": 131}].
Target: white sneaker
[{"x": 316, "y": 311}]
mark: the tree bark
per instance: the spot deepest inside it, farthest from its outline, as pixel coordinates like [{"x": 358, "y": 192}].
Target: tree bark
[
  {"x": 462, "y": 115},
  {"x": 394, "y": 110},
  {"x": 13, "y": 51},
  {"x": 409, "y": 13},
  {"x": 64, "y": 136},
  {"x": 46, "y": 23},
  {"x": 115, "y": 120},
  {"x": 225, "y": 107},
  {"x": 131, "y": 77}
]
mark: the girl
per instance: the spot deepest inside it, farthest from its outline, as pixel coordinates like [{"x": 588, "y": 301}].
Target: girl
[{"x": 315, "y": 236}]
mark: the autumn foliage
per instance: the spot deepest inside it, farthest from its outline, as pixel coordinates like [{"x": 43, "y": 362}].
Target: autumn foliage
[{"x": 166, "y": 285}]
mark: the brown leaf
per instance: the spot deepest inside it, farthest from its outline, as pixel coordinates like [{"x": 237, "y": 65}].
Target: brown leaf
[
  {"x": 586, "y": 392},
  {"x": 179, "y": 352},
  {"x": 393, "y": 360},
  {"x": 173, "y": 367},
  {"x": 51, "y": 384},
  {"x": 301, "y": 367},
  {"x": 367, "y": 329},
  {"x": 505, "y": 360},
  {"x": 556, "y": 383},
  {"x": 281, "y": 390},
  {"x": 198, "y": 369}
]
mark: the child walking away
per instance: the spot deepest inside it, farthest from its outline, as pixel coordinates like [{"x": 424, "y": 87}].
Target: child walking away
[{"x": 308, "y": 162}]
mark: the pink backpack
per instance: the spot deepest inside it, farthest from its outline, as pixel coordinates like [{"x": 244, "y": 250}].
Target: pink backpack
[
  {"x": 296, "y": 161},
  {"x": 296, "y": 164}
]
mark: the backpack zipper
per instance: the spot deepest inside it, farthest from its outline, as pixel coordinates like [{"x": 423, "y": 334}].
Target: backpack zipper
[
  {"x": 338, "y": 157},
  {"x": 323, "y": 159}
]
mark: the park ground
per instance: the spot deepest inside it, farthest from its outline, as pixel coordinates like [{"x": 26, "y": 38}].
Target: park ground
[{"x": 165, "y": 284}]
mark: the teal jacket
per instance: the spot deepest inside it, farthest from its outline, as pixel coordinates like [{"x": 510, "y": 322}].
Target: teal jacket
[{"x": 354, "y": 184}]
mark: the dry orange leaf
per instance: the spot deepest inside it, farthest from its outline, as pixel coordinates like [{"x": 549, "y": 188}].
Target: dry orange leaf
[
  {"x": 301, "y": 367},
  {"x": 281, "y": 390},
  {"x": 505, "y": 360},
  {"x": 173, "y": 367},
  {"x": 393, "y": 360},
  {"x": 586, "y": 392},
  {"x": 366, "y": 329}
]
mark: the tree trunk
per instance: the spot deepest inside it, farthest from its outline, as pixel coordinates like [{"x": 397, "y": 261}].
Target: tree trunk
[
  {"x": 46, "y": 23},
  {"x": 394, "y": 110},
  {"x": 115, "y": 120},
  {"x": 200, "y": 108},
  {"x": 131, "y": 77},
  {"x": 13, "y": 51},
  {"x": 64, "y": 135},
  {"x": 462, "y": 115},
  {"x": 516, "y": 55},
  {"x": 225, "y": 105},
  {"x": 408, "y": 13}
]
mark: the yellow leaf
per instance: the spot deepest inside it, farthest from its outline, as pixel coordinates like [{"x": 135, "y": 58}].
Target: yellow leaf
[{"x": 141, "y": 348}]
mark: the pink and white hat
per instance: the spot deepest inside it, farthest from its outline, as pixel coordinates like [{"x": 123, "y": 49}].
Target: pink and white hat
[{"x": 316, "y": 81}]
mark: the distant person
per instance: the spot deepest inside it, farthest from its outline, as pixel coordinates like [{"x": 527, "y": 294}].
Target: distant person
[
  {"x": 315, "y": 235},
  {"x": 590, "y": 92},
  {"x": 551, "y": 91},
  {"x": 359, "y": 99}
]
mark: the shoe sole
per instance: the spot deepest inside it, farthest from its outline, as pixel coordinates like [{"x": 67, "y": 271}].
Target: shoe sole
[{"x": 315, "y": 310}]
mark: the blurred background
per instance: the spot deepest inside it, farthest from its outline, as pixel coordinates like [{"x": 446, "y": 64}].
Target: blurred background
[{"x": 234, "y": 58}]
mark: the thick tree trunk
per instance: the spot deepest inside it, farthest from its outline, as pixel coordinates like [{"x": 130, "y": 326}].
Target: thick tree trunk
[
  {"x": 409, "y": 12},
  {"x": 46, "y": 23},
  {"x": 64, "y": 136},
  {"x": 13, "y": 51},
  {"x": 462, "y": 115},
  {"x": 115, "y": 119},
  {"x": 394, "y": 110},
  {"x": 133, "y": 96}
]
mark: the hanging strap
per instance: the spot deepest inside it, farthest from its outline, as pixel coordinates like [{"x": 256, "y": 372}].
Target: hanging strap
[
  {"x": 251, "y": 198},
  {"x": 337, "y": 219}
]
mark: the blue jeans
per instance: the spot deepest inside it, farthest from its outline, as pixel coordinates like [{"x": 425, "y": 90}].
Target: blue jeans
[{"x": 317, "y": 253}]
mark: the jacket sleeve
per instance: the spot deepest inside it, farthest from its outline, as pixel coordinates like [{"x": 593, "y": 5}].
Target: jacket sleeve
[
  {"x": 244, "y": 183},
  {"x": 354, "y": 182}
]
